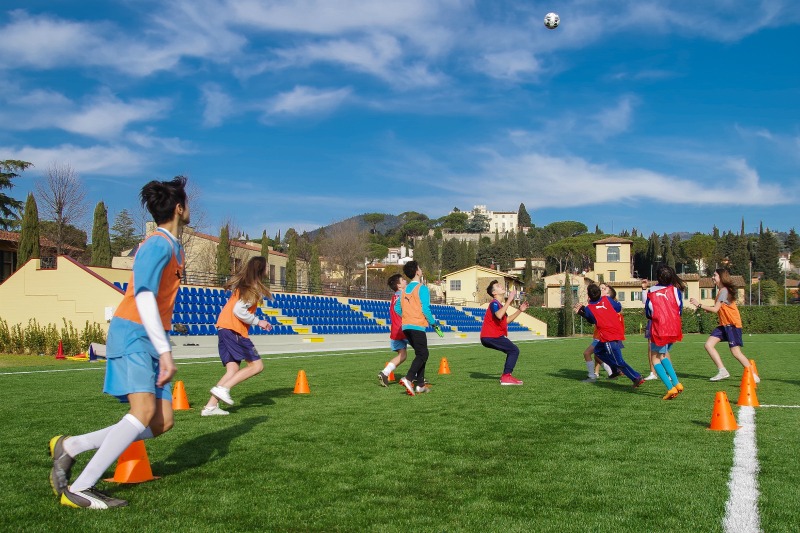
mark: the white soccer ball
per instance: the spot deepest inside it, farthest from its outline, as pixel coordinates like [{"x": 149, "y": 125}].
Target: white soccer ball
[{"x": 551, "y": 21}]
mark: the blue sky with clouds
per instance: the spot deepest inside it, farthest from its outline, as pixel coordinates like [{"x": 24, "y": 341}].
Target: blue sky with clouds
[{"x": 655, "y": 114}]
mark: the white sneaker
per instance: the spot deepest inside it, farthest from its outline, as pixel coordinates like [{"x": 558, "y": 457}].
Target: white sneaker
[
  {"x": 651, "y": 377},
  {"x": 407, "y": 384},
  {"x": 222, "y": 393},
  {"x": 722, "y": 374},
  {"x": 213, "y": 411},
  {"x": 422, "y": 390}
]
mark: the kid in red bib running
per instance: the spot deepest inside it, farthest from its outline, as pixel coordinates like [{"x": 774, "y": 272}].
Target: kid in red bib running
[
  {"x": 397, "y": 339},
  {"x": 663, "y": 307}
]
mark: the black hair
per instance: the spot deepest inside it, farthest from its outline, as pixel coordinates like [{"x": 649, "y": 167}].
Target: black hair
[
  {"x": 490, "y": 288},
  {"x": 612, "y": 293},
  {"x": 394, "y": 281},
  {"x": 161, "y": 197},
  {"x": 410, "y": 269},
  {"x": 666, "y": 276},
  {"x": 593, "y": 290}
]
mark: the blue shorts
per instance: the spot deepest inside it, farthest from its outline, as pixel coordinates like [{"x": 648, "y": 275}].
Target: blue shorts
[
  {"x": 134, "y": 372},
  {"x": 660, "y": 349},
  {"x": 233, "y": 348},
  {"x": 647, "y": 329},
  {"x": 594, "y": 342},
  {"x": 731, "y": 334},
  {"x": 397, "y": 345}
]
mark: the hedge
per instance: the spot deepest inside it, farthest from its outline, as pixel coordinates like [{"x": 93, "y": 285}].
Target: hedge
[
  {"x": 43, "y": 339},
  {"x": 755, "y": 319}
]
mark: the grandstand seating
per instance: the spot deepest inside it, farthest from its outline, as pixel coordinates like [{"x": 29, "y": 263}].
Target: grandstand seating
[{"x": 199, "y": 308}]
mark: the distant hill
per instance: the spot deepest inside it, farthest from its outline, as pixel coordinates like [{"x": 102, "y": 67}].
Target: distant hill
[{"x": 389, "y": 223}]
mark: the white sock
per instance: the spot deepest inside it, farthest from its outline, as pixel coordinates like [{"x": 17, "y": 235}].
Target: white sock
[
  {"x": 389, "y": 369},
  {"x": 607, "y": 369},
  {"x": 590, "y": 368},
  {"x": 119, "y": 437},
  {"x": 91, "y": 441}
]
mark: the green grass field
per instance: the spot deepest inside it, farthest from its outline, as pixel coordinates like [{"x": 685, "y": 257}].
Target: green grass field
[{"x": 553, "y": 455}]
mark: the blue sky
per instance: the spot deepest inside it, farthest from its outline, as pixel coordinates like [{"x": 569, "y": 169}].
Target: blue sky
[{"x": 660, "y": 115}]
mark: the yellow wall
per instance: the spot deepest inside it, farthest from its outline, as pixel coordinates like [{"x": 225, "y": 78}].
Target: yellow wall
[
  {"x": 68, "y": 292},
  {"x": 621, "y": 267}
]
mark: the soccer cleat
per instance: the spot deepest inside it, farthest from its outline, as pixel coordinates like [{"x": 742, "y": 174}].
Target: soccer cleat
[
  {"x": 422, "y": 390},
  {"x": 62, "y": 464},
  {"x": 407, "y": 384},
  {"x": 383, "y": 379},
  {"x": 213, "y": 411},
  {"x": 90, "y": 499},
  {"x": 651, "y": 377},
  {"x": 722, "y": 374},
  {"x": 679, "y": 388},
  {"x": 508, "y": 379},
  {"x": 615, "y": 374},
  {"x": 221, "y": 393},
  {"x": 671, "y": 393},
  {"x": 590, "y": 379},
  {"x": 639, "y": 383}
]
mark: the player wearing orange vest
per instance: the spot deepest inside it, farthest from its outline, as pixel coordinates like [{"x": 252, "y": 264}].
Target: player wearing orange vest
[
  {"x": 397, "y": 339},
  {"x": 234, "y": 343},
  {"x": 414, "y": 306},
  {"x": 730, "y": 324},
  {"x": 140, "y": 366}
]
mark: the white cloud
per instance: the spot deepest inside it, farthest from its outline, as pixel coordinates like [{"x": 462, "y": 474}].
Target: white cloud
[
  {"x": 106, "y": 160},
  {"x": 218, "y": 105},
  {"x": 306, "y": 101},
  {"x": 612, "y": 121}
]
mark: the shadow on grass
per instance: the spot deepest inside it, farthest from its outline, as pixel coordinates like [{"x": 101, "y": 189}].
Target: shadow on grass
[
  {"x": 481, "y": 375},
  {"x": 263, "y": 398},
  {"x": 205, "y": 448}
]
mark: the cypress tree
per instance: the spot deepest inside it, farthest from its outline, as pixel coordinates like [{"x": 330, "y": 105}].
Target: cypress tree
[
  {"x": 29, "y": 236},
  {"x": 523, "y": 218},
  {"x": 767, "y": 252},
  {"x": 101, "y": 239},
  {"x": 291, "y": 263},
  {"x": 315, "y": 271},
  {"x": 224, "y": 254},
  {"x": 265, "y": 245}
]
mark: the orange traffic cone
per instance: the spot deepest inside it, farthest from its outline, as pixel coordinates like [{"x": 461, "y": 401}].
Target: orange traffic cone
[
  {"x": 747, "y": 392},
  {"x": 179, "y": 400},
  {"x": 60, "y": 352},
  {"x": 754, "y": 369},
  {"x": 391, "y": 375},
  {"x": 133, "y": 466},
  {"x": 444, "y": 367},
  {"x": 722, "y": 418},
  {"x": 301, "y": 383}
]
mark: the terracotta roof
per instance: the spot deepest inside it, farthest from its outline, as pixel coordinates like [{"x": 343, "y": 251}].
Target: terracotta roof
[
  {"x": 689, "y": 277},
  {"x": 613, "y": 240},
  {"x": 236, "y": 244},
  {"x": 708, "y": 283},
  {"x": 13, "y": 236}
]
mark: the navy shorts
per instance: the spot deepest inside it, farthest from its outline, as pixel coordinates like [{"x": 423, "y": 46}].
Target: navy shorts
[
  {"x": 731, "y": 334},
  {"x": 647, "y": 329},
  {"x": 233, "y": 348}
]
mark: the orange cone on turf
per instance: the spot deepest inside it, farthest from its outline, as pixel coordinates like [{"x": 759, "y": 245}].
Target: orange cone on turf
[
  {"x": 391, "y": 375},
  {"x": 301, "y": 383},
  {"x": 444, "y": 367},
  {"x": 133, "y": 466},
  {"x": 722, "y": 418},
  {"x": 179, "y": 400},
  {"x": 60, "y": 352},
  {"x": 747, "y": 392}
]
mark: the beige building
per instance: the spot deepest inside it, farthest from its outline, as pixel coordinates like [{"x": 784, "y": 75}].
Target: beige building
[
  {"x": 468, "y": 285},
  {"x": 537, "y": 267},
  {"x": 500, "y": 221}
]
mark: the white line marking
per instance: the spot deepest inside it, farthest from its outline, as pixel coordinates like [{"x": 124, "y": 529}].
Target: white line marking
[
  {"x": 784, "y": 406},
  {"x": 741, "y": 510}
]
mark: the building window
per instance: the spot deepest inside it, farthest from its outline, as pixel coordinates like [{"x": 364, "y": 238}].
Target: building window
[
  {"x": 612, "y": 254},
  {"x": 702, "y": 294},
  {"x": 8, "y": 261},
  {"x": 636, "y": 296},
  {"x": 621, "y": 296},
  {"x": 455, "y": 284},
  {"x": 272, "y": 273},
  {"x": 612, "y": 275}
]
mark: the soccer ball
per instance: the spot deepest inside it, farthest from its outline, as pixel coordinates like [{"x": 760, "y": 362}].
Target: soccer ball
[{"x": 551, "y": 21}]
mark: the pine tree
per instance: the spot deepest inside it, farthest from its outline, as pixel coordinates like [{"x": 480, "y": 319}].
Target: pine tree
[
  {"x": 265, "y": 245},
  {"x": 29, "y": 235},
  {"x": 101, "y": 240},
  {"x": 224, "y": 254},
  {"x": 767, "y": 252},
  {"x": 8, "y": 205},
  {"x": 123, "y": 233},
  {"x": 792, "y": 241},
  {"x": 315, "y": 272}
]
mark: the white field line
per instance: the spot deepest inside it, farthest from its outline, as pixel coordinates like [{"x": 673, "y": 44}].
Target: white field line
[
  {"x": 741, "y": 510},
  {"x": 782, "y": 406}
]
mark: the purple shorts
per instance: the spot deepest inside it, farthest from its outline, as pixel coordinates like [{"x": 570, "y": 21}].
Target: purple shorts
[
  {"x": 731, "y": 334},
  {"x": 647, "y": 329},
  {"x": 233, "y": 348}
]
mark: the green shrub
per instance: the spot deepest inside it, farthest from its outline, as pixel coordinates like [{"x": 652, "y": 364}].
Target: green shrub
[{"x": 38, "y": 339}]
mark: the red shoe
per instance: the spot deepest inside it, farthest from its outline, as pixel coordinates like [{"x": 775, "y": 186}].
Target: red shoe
[
  {"x": 508, "y": 379},
  {"x": 639, "y": 383}
]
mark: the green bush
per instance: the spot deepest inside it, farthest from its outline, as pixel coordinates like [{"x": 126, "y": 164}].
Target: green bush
[
  {"x": 43, "y": 339},
  {"x": 551, "y": 317}
]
